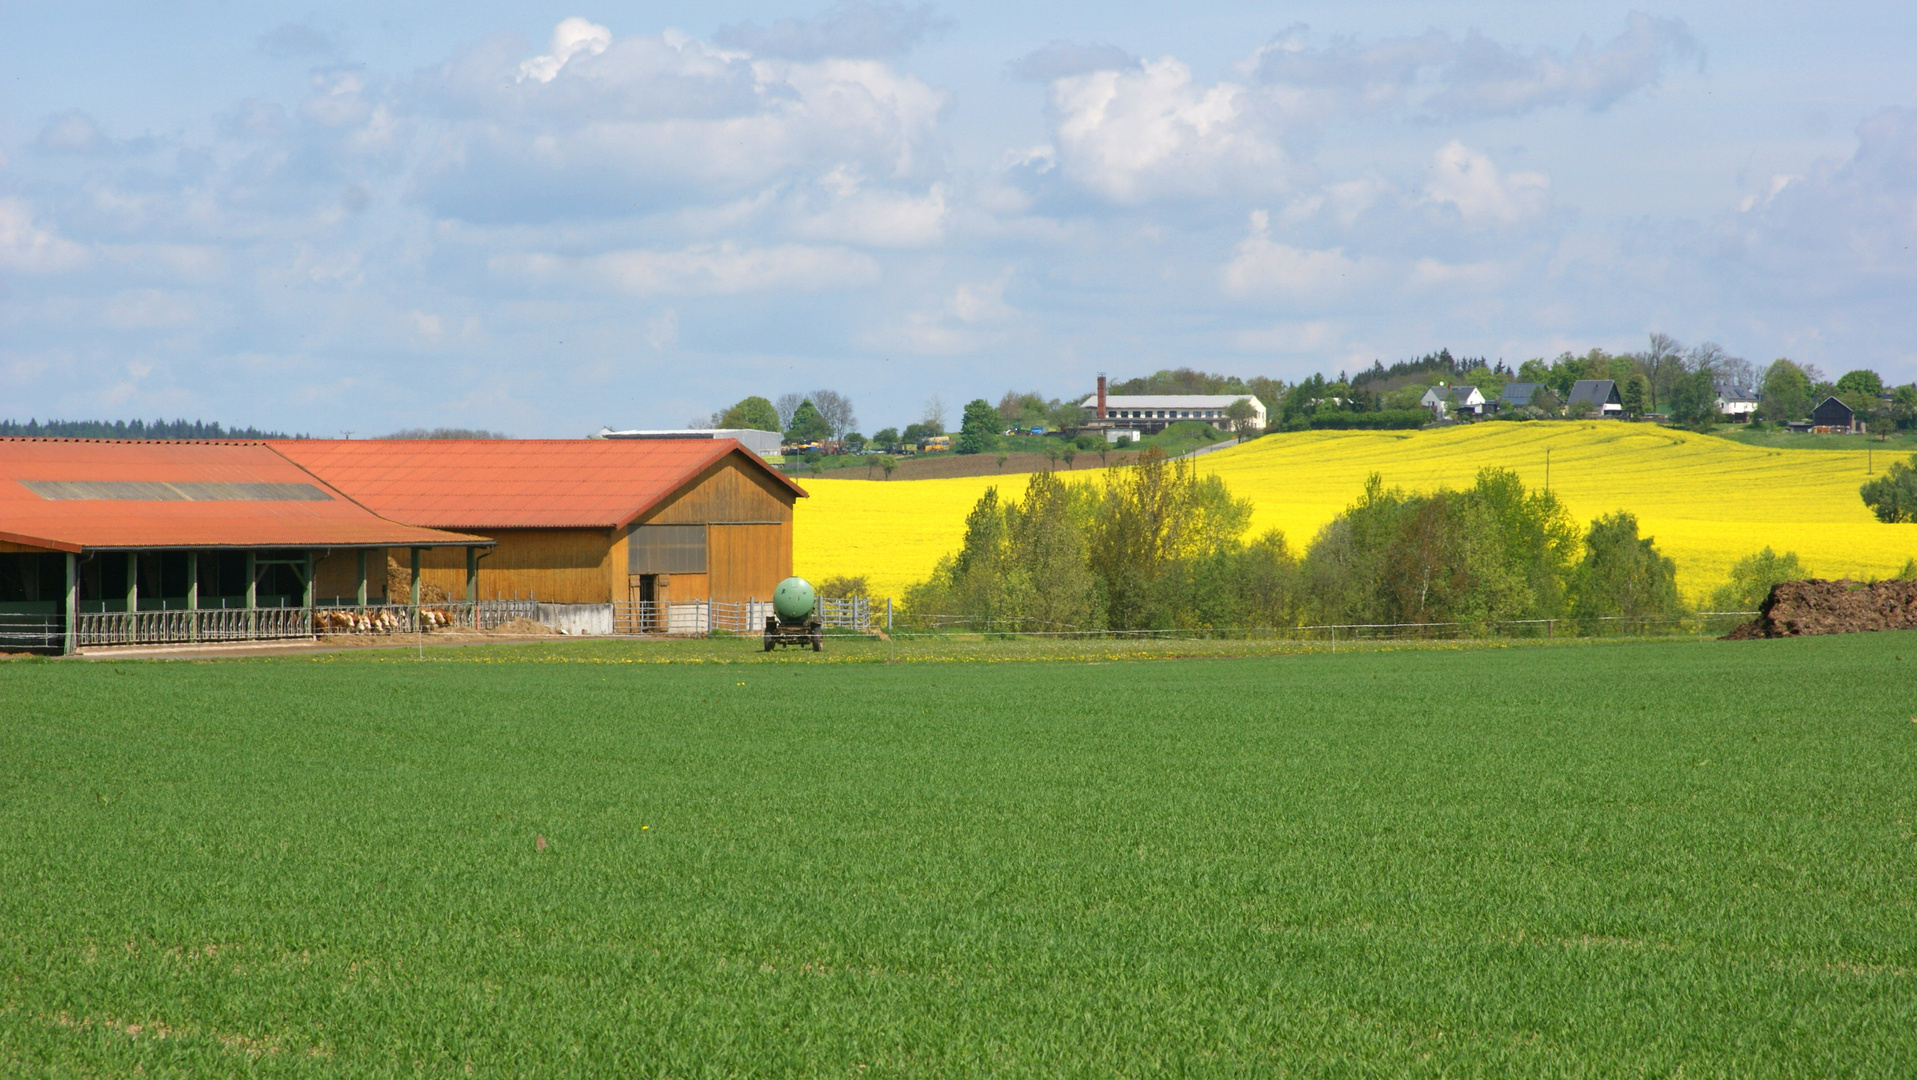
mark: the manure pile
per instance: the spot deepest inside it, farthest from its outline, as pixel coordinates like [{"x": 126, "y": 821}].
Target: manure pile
[{"x": 1798, "y": 608}]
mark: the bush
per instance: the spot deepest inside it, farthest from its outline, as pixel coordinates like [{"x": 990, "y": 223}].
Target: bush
[
  {"x": 1622, "y": 575},
  {"x": 841, "y": 587},
  {"x": 1752, "y": 577},
  {"x": 1388, "y": 419},
  {"x": 1492, "y": 552},
  {"x": 1893, "y": 496}
]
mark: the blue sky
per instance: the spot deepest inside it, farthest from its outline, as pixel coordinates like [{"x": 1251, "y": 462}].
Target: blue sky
[{"x": 544, "y": 218}]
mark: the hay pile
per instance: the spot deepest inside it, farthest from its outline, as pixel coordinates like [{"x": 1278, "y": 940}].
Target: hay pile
[
  {"x": 399, "y": 585},
  {"x": 1798, "y": 608},
  {"x": 522, "y": 627}
]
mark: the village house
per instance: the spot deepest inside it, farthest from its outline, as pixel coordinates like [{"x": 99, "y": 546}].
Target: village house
[
  {"x": 1519, "y": 395},
  {"x": 1738, "y": 406},
  {"x": 1833, "y": 417},
  {"x": 1458, "y": 401},
  {"x": 1600, "y": 395}
]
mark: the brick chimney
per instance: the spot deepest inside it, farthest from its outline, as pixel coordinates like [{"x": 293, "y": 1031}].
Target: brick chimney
[{"x": 1101, "y": 395}]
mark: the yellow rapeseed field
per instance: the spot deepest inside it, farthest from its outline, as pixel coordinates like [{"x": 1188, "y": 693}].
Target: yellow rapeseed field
[{"x": 1706, "y": 500}]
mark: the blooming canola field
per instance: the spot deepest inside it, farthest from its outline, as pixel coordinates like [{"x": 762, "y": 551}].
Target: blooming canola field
[{"x": 1707, "y": 501}]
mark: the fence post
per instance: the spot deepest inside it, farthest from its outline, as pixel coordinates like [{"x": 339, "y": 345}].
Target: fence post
[
  {"x": 709, "y": 613},
  {"x": 888, "y": 614}
]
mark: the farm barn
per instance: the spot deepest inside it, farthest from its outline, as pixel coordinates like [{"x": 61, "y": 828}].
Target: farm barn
[
  {"x": 639, "y": 531},
  {"x": 135, "y": 542}
]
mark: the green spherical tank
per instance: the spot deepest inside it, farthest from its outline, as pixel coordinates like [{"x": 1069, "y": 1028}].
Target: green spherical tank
[{"x": 794, "y": 600}]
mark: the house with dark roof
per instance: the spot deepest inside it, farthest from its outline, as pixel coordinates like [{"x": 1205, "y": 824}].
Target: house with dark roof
[
  {"x": 1833, "y": 417},
  {"x": 1737, "y": 405},
  {"x": 1519, "y": 395},
  {"x": 1453, "y": 401},
  {"x": 1601, "y": 395}
]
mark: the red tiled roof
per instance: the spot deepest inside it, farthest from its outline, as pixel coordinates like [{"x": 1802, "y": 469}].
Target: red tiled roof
[
  {"x": 98, "y": 493},
  {"x": 515, "y": 483}
]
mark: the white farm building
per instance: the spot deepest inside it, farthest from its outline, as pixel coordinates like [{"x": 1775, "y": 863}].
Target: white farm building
[{"x": 1153, "y": 412}]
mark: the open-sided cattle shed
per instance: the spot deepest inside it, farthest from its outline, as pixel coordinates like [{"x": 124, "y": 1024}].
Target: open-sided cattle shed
[
  {"x": 162, "y": 534},
  {"x": 580, "y": 521}
]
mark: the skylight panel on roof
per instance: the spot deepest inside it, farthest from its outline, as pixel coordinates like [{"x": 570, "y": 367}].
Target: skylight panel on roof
[{"x": 173, "y": 491}]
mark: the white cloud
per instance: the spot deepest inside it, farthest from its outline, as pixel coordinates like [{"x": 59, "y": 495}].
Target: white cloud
[
  {"x": 570, "y": 38},
  {"x": 1261, "y": 267},
  {"x": 1428, "y": 273},
  {"x": 1435, "y": 76},
  {"x": 650, "y": 123},
  {"x": 1313, "y": 336},
  {"x": 722, "y": 269},
  {"x": 849, "y": 28},
  {"x": 336, "y": 101},
  {"x": 148, "y": 309},
  {"x": 662, "y": 330},
  {"x": 26, "y": 248},
  {"x": 982, "y": 302},
  {"x": 1149, "y": 132},
  {"x": 1469, "y": 182},
  {"x": 845, "y": 209}
]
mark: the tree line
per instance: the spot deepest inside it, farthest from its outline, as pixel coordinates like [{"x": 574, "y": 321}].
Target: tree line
[
  {"x": 1157, "y": 546},
  {"x": 131, "y": 429}
]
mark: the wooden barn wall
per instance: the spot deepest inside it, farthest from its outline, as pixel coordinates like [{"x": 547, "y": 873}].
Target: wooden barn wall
[
  {"x": 555, "y": 566},
  {"x": 336, "y": 577},
  {"x": 727, "y": 491},
  {"x": 748, "y": 552},
  {"x": 748, "y": 518}
]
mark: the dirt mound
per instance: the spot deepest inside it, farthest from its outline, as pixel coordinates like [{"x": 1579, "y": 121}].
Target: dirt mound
[
  {"x": 1796, "y": 608},
  {"x": 522, "y": 627}
]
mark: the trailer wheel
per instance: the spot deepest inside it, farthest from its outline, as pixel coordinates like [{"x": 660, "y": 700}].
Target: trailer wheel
[{"x": 768, "y": 641}]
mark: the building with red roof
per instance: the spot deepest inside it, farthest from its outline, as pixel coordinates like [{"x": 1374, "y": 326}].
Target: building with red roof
[
  {"x": 94, "y": 526},
  {"x": 579, "y": 521}
]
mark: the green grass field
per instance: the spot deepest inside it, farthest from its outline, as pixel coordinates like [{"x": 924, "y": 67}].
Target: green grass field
[{"x": 1590, "y": 859}]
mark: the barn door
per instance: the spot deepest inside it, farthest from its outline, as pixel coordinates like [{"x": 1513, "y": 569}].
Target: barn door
[{"x": 748, "y": 561}]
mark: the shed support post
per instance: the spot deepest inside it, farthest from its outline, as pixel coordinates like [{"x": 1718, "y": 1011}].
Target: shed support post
[
  {"x": 306, "y": 594},
  {"x": 193, "y": 596},
  {"x": 472, "y": 575},
  {"x": 415, "y": 590},
  {"x": 72, "y": 642},
  {"x": 132, "y": 584},
  {"x": 361, "y": 597},
  {"x": 252, "y": 592}
]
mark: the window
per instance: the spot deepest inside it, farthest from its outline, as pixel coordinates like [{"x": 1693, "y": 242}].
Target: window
[{"x": 666, "y": 549}]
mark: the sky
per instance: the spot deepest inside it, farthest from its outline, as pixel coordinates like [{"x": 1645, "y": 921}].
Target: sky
[{"x": 360, "y": 217}]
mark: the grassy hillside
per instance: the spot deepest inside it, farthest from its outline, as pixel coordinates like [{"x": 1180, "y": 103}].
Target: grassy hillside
[
  {"x": 1614, "y": 859},
  {"x": 1707, "y": 500}
]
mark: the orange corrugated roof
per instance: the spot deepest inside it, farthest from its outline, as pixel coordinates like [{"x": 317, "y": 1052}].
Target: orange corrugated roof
[
  {"x": 326, "y": 518},
  {"x": 514, "y": 483}
]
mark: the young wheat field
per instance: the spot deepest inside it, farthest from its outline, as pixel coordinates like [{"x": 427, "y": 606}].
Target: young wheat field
[
  {"x": 1708, "y": 501},
  {"x": 1608, "y": 858}
]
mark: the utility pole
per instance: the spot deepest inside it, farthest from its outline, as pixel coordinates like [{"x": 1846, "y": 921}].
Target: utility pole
[{"x": 1547, "y": 470}]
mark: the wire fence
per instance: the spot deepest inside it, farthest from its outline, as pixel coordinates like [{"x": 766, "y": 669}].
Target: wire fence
[
  {"x": 704, "y": 618},
  {"x": 1701, "y": 623},
  {"x": 700, "y": 618}
]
